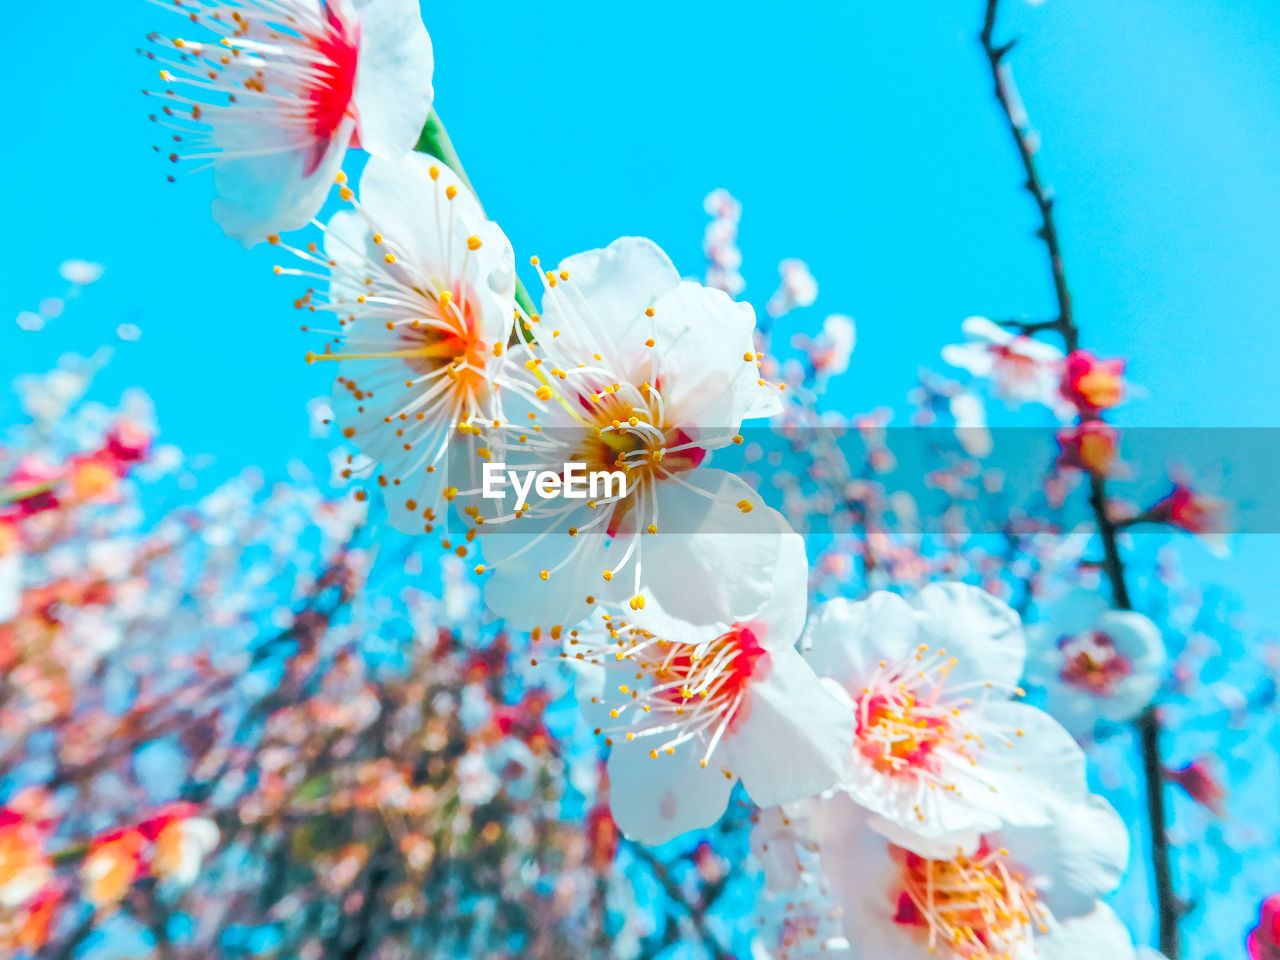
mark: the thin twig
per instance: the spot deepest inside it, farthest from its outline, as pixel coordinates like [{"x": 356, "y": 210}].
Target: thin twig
[
  {"x": 1147, "y": 725},
  {"x": 1043, "y": 197}
]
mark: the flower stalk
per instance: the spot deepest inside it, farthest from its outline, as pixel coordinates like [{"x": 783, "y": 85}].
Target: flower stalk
[{"x": 1147, "y": 723}]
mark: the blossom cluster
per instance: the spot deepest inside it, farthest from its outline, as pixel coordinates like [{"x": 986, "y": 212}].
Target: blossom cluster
[{"x": 912, "y": 754}]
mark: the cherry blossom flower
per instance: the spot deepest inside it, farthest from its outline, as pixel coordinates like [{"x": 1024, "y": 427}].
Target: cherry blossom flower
[
  {"x": 938, "y": 747},
  {"x": 279, "y": 91},
  {"x": 828, "y": 353},
  {"x": 1021, "y": 369},
  {"x": 113, "y": 863},
  {"x": 1091, "y": 446},
  {"x": 1202, "y": 783},
  {"x": 25, "y": 867},
  {"x": 80, "y": 273},
  {"x": 797, "y": 288},
  {"x": 423, "y": 286},
  {"x": 1031, "y": 893},
  {"x": 181, "y": 841},
  {"x": 1095, "y": 663},
  {"x": 720, "y": 243},
  {"x": 1264, "y": 939},
  {"x": 1206, "y": 516},
  {"x": 645, "y": 374},
  {"x": 689, "y": 719},
  {"x": 1092, "y": 385}
]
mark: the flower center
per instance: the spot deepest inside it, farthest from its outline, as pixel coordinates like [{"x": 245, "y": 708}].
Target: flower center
[
  {"x": 1092, "y": 663},
  {"x": 902, "y": 717},
  {"x": 977, "y": 908},
  {"x": 693, "y": 689},
  {"x": 329, "y": 94},
  {"x": 1014, "y": 368}
]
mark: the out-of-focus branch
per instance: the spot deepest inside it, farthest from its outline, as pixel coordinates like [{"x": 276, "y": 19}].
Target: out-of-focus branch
[
  {"x": 697, "y": 912},
  {"x": 1148, "y": 728}
]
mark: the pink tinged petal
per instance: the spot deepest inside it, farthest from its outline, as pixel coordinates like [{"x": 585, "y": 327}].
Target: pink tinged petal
[
  {"x": 1076, "y": 860},
  {"x": 983, "y": 633},
  {"x": 274, "y": 192},
  {"x": 846, "y": 640},
  {"x": 393, "y": 92},
  {"x": 656, "y": 800},
  {"x": 792, "y": 738}
]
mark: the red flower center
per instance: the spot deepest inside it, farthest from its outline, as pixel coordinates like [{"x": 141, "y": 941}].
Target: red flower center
[
  {"x": 329, "y": 93},
  {"x": 1092, "y": 663}
]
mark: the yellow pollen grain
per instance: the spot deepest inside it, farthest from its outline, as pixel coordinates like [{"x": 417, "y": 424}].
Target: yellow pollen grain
[
  {"x": 451, "y": 191},
  {"x": 473, "y": 243}
]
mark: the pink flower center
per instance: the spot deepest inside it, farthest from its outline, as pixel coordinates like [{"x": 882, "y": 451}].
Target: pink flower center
[
  {"x": 1091, "y": 662},
  {"x": 902, "y": 718},
  {"x": 694, "y": 691}
]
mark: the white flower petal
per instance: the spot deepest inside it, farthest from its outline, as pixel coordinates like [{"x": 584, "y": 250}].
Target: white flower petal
[
  {"x": 393, "y": 91},
  {"x": 793, "y": 738},
  {"x": 1099, "y": 933},
  {"x": 656, "y": 800},
  {"x": 615, "y": 285},
  {"x": 846, "y": 640},
  {"x": 272, "y": 192},
  {"x": 1077, "y": 859},
  {"x": 710, "y": 566},
  {"x": 983, "y": 633}
]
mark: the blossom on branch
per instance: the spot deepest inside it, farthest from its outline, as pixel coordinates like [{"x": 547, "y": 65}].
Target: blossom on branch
[
  {"x": 938, "y": 746},
  {"x": 422, "y": 286},
  {"x": 273, "y": 99},
  {"x": 1021, "y": 369},
  {"x": 639, "y": 373},
  {"x": 1095, "y": 663}
]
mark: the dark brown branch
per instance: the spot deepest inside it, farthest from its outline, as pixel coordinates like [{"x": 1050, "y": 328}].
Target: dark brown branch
[
  {"x": 1147, "y": 726},
  {"x": 1042, "y": 196}
]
